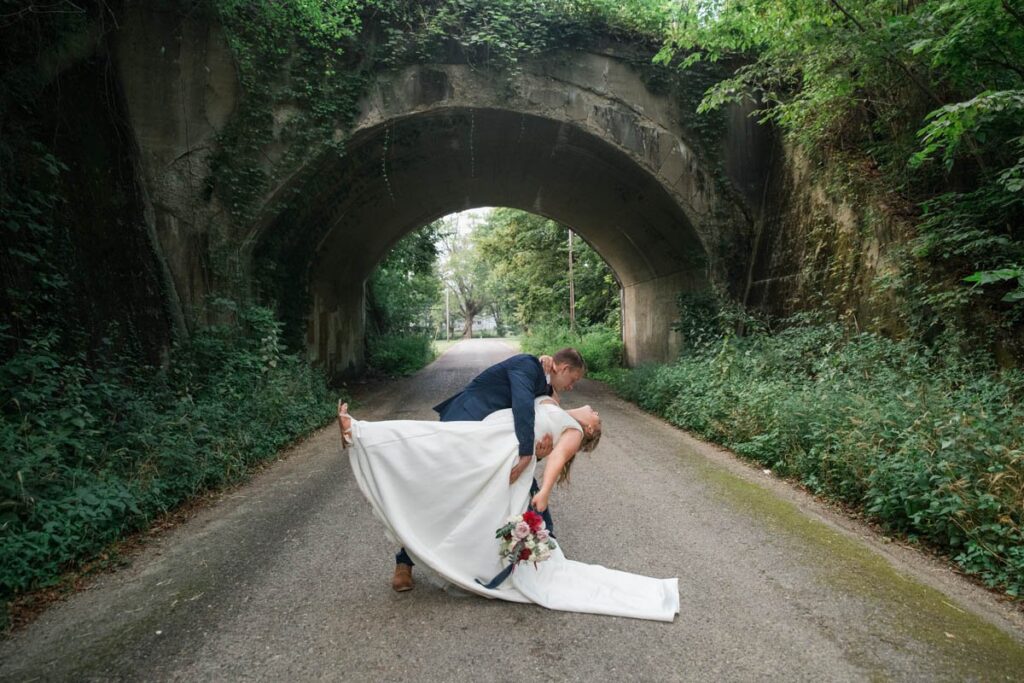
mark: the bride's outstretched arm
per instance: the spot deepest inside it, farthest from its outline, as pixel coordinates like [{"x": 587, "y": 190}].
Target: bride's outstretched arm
[{"x": 565, "y": 449}]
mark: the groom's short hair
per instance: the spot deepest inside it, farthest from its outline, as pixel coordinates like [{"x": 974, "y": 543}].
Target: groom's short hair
[{"x": 571, "y": 357}]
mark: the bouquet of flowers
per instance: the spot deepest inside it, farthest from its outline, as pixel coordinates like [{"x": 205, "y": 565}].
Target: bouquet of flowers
[{"x": 525, "y": 538}]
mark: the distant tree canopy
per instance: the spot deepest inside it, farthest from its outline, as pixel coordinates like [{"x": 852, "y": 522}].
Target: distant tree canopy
[
  {"x": 528, "y": 259},
  {"x": 405, "y": 286}
]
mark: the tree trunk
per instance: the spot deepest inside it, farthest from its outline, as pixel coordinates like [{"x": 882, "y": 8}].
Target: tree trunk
[
  {"x": 498, "y": 327},
  {"x": 470, "y": 309}
]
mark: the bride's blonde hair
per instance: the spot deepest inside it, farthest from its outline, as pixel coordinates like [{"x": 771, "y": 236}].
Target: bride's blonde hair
[{"x": 588, "y": 444}]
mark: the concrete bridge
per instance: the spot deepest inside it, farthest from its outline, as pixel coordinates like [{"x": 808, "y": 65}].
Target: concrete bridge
[{"x": 578, "y": 137}]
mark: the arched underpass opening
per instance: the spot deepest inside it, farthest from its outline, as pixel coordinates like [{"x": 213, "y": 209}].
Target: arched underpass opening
[
  {"x": 491, "y": 272},
  {"x": 349, "y": 211}
]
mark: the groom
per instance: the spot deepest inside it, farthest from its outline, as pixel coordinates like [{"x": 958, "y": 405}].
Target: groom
[{"x": 512, "y": 383}]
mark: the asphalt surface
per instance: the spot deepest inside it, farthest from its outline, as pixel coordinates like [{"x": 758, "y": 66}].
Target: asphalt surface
[{"x": 287, "y": 578}]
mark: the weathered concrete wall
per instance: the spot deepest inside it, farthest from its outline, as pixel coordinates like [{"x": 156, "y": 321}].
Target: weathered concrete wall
[
  {"x": 180, "y": 87},
  {"x": 95, "y": 234},
  {"x": 824, "y": 244},
  {"x": 579, "y": 139},
  {"x": 652, "y": 307},
  {"x": 337, "y": 326}
]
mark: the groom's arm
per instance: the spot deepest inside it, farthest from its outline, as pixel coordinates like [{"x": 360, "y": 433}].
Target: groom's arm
[{"x": 522, "y": 382}]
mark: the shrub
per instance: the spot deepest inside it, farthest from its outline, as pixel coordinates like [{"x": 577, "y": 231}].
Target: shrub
[
  {"x": 599, "y": 345},
  {"x": 397, "y": 354}
]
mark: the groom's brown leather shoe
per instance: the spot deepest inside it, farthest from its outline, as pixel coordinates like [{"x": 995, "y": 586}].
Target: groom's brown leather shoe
[{"x": 402, "y": 580}]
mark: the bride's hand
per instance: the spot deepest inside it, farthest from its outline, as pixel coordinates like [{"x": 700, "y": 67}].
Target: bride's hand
[{"x": 540, "y": 502}]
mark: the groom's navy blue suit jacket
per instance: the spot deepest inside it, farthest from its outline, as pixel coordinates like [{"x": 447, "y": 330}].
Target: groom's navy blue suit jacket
[{"x": 512, "y": 383}]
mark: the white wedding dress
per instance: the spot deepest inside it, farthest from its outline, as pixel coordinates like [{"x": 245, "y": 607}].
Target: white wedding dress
[{"x": 441, "y": 489}]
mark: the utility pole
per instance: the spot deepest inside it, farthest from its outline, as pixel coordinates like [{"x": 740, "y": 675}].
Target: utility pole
[
  {"x": 572, "y": 290},
  {"x": 447, "y": 316}
]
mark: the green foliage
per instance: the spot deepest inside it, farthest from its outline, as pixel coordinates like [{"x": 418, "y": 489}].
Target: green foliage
[
  {"x": 708, "y": 316},
  {"x": 467, "y": 276},
  {"x": 399, "y": 354},
  {"x": 96, "y": 442},
  {"x": 527, "y": 258},
  {"x": 94, "y": 450},
  {"x": 927, "y": 442},
  {"x": 400, "y": 294},
  {"x": 405, "y": 285},
  {"x": 951, "y": 126},
  {"x": 600, "y": 345},
  {"x": 1002, "y": 275}
]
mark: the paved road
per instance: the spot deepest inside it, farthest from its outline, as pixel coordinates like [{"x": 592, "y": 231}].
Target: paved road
[{"x": 287, "y": 578}]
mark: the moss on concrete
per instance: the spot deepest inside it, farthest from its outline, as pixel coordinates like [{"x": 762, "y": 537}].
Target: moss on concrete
[{"x": 911, "y": 613}]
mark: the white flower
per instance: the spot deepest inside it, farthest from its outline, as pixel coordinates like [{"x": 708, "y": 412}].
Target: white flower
[{"x": 542, "y": 535}]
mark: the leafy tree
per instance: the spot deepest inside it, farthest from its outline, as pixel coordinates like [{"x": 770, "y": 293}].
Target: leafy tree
[
  {"x": 528, "y": 258},
  {"x": 405, "y": 284},
  {"x": 466, "y": 275}
]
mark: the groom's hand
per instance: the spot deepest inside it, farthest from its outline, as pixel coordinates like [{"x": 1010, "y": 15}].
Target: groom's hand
[
  {"x": 543, "y": 448},
  {"x": 517, "y": 470}
]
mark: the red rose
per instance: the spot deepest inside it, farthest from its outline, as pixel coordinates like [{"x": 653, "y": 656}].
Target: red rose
[
  {"x": 524, "y": 554},
  {"x": 533, "y": 520}
]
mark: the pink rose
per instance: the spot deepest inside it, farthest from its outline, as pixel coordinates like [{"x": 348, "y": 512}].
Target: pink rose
[
  {"x": 542, "y": 535},
  {"x": 521, "y": 531}
]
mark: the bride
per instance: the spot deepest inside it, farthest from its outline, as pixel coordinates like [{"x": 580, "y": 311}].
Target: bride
[{"x": 442, "y": 489}]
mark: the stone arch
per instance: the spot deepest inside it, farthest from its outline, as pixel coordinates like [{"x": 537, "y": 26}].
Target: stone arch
[
  {"x": 604, "y": 157},
  {"x": 404, "y": 173}
]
